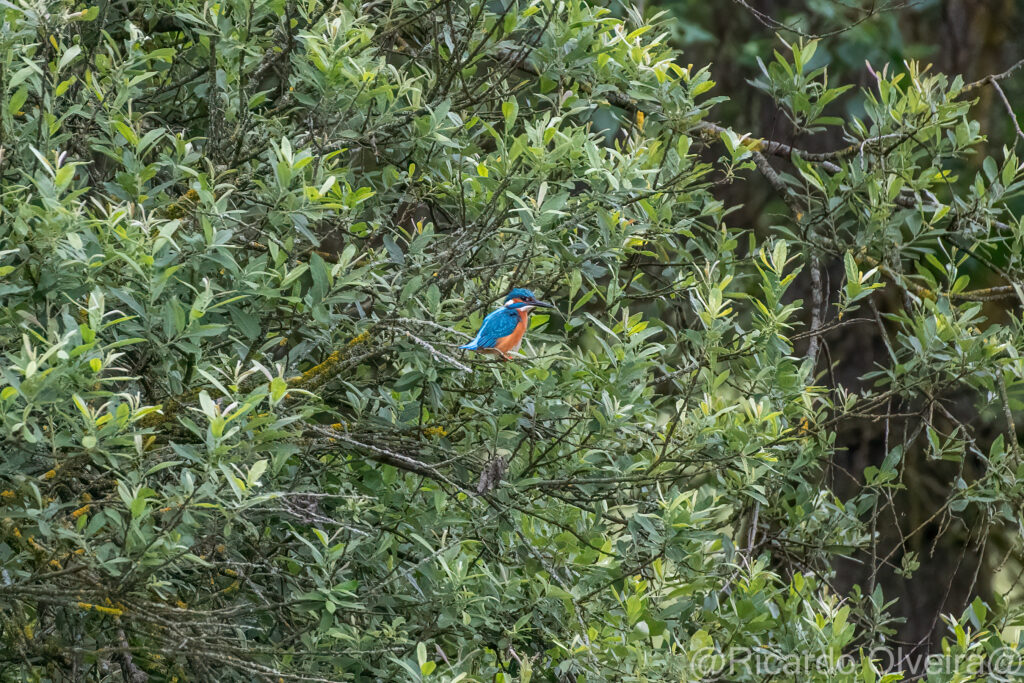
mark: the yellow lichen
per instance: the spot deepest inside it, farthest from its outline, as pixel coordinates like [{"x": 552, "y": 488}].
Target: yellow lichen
[
  {"x": 80, "y": 511},
  {"x": 435, "y": 430},
  {"x": 310, "y": 377},
  {"x": 116, "y": 609},
  {"x": 8, "y": 495},
  {"x": 179, "y": 208},
  {"x": 50, "y": 474},
  {"x": 113, "y": 611}
]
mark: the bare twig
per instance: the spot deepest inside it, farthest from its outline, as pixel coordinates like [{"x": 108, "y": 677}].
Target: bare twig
[
  {"x": 992, "y": 78},
  {"x": 817, "y": 303},
  {"x": 438, "y": 355},
  {"x": 1009, "y": 109}
]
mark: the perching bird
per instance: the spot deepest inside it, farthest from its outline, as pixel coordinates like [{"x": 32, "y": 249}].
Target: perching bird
[{"x": 502, "y": 331}]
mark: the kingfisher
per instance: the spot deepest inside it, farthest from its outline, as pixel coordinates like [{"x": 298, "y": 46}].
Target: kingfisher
[{"x": 502, "y": 331}]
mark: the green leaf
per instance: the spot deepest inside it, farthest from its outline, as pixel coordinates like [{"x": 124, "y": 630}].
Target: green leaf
[
  {"x": 17, "y": 101},
  {"x": 278, "y": 387},
  {"x": 64, "y": 85},
  {"x": 127, "y": 133},
  {"x": 69, "y": 56},
  {"x": 408, "y": 380},
  {"x": 510, "y": 110},
  {"x": 255, "y": 472}
]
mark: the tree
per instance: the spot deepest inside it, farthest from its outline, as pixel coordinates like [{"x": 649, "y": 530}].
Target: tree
[{"x": 241, "y": 243}]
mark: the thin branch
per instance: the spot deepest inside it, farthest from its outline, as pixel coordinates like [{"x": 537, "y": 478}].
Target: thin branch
[
  {"x": 1009, "y": 109},
  {"x": 992, "y": 78},
  {"x": 438, "y": 355},
  {"x": 817, "y": 304}
]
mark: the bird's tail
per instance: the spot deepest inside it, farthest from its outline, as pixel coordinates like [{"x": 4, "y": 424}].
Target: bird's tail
[{"x": 471, "y": 346}]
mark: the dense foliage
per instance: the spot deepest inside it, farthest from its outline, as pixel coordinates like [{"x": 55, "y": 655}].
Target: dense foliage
[{"x": 242, "y": 241}]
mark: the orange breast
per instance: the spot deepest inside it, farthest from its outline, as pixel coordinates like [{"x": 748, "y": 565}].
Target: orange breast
[{"x": 512, "y": 341}]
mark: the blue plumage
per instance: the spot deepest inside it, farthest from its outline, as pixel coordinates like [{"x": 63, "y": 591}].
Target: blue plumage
[
  {"x": 520, "y": 293},
  {"x": 498, "y": 324},
  {"x": 502, "y": 330}
]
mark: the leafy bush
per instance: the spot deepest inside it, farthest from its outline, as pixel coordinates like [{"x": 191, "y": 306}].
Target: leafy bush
[{"x": 242, "y": 241}]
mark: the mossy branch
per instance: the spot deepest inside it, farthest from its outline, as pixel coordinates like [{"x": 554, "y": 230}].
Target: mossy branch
[{"x": 309, "y": 380}]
